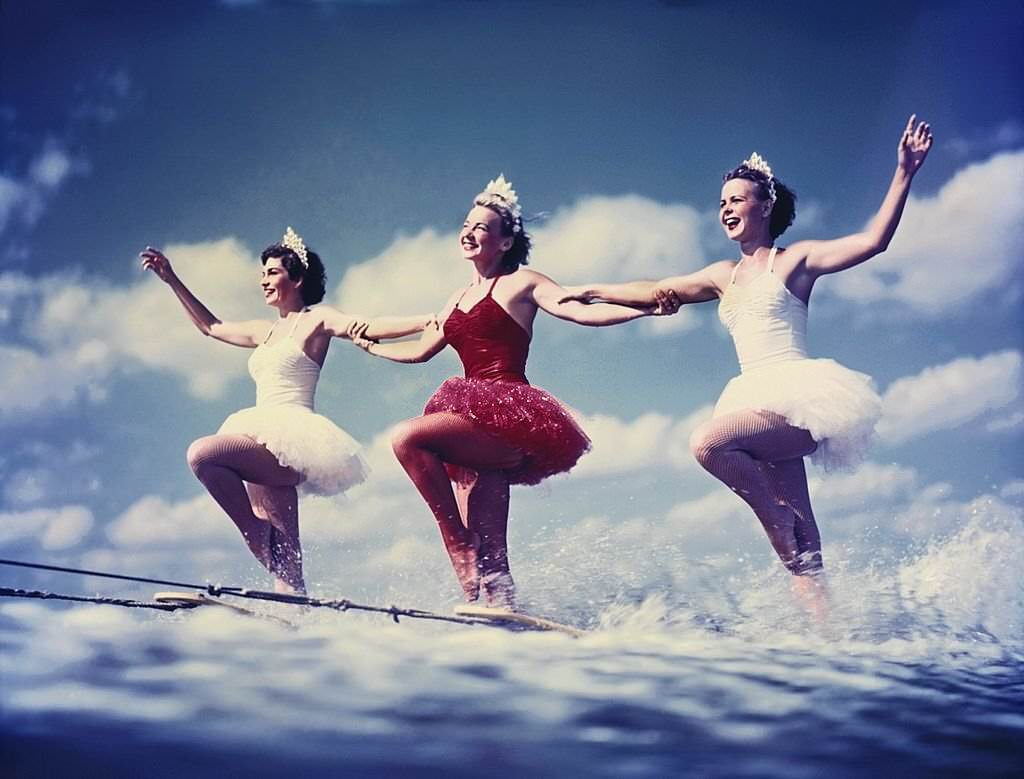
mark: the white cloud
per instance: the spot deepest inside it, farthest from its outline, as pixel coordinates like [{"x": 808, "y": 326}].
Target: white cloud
[
  {"x": 946, "y": 396},
  {"x": 152, "y": 521},
  {"x": 650, "y": 440},
  {"x": 950, "y": 247},
  {"x": 53, "y": 529},
  {"x": 82, "y": 332},
  {"x": 598, "y": 239},
  {"x": 1007, "y": 135},
  {"x": 51, "y": 167},
  {"x": 24, "y": 198},
  {"x": 870, "y": 484}
]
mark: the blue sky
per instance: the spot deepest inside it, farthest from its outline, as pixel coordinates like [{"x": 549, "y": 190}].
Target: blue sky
[{"x": 207, "y": 128}]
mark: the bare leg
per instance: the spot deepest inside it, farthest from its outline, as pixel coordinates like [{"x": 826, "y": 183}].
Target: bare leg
[
  {"x": 423, "y": 445},
  {"x": 279, "y": 506},
  {"x": 744, "y": 450},
  {"x": 223, "y": 463}
]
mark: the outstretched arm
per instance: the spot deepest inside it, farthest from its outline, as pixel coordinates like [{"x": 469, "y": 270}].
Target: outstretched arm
[
  {"x": 430, "y": 342},
  {"x": 339, "y": 324},
  {"x": 670, "y": 293},
  {"x": 832, "y": 256},
  {"x": 247, "y": 334},
  {"x": 557, "y": 301}
]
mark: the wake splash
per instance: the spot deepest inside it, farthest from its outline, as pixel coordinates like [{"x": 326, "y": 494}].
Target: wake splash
[{"x": 709, "y": 667}]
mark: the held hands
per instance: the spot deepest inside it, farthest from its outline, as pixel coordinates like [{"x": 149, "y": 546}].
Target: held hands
[
  {"x": 356, "y": 332},
  {"x": 154, "y": 260},
  {"x": 668, "y": 302},
  {"x": 914, "y": 145}
]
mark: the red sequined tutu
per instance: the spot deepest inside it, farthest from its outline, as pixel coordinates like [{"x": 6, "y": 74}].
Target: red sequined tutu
[{"x": 521, "y": 415}]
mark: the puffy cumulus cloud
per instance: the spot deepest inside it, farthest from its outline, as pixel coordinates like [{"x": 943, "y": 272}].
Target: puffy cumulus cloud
[
  {"x": 871, "y": 483},
  {"x": 35, "y": 473},
  {"x": 946, "y": 396},
  {"x": 951, "y": 247},
  {"x": 414, "y": 274},
  {"x": 152, "y": 521},
  {"x": 52, "y": 529},
  {"x": 82, "y": 332},
  {"x": 620, "y": 238},
  {"x": 598, "y": 239},
  {"x": 651, "y": 440}
]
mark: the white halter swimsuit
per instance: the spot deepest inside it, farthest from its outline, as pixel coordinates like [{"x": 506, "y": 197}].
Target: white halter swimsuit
[
  {"x": 768, "y": 324},
  {"x": 284, "y": 421}
]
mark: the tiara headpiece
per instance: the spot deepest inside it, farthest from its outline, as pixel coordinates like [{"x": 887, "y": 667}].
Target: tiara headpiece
[
  {"x": 759, "y": 164},
  {"x": 292, "y": 240},
  {"x": 499, "y": 192}
]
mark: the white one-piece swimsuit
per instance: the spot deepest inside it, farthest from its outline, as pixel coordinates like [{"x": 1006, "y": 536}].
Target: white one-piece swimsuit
[
  {"x": 284, "y": 421},
  {"x": 768, "y": 325}
]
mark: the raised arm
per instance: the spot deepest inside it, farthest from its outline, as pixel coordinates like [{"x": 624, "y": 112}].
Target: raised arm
[
  {"x": 825, "y": 257},
  {"x": 247, "y": 334}
]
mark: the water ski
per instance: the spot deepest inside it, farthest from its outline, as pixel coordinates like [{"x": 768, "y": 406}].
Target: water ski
[
  {"x": 493, "y": 614},
  {"x": 194, "y": 599}
]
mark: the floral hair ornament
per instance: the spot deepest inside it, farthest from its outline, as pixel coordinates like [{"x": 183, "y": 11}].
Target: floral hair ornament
[
  {"x": 292, "y": 240},
  {"x": 759, "y": 164},
  {"x": 499, "y": 192}
]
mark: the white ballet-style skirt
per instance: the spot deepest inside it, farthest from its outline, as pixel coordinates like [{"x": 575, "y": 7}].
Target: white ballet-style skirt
[
  {"x": 326, "y": 456},
  {"x": 837, "y": 406}
]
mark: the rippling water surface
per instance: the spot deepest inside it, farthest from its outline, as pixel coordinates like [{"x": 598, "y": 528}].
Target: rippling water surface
[{"x": 916, "y": 669}]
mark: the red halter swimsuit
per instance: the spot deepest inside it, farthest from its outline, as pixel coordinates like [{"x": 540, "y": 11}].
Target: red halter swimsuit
[{"x": 495, "y": 394}]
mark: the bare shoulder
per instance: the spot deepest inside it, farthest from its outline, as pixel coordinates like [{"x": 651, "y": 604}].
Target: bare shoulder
[
  {"x": 527, "y": 279},
  {"x": 719, "y": 274},
  {"x": 797, "y": 252}
]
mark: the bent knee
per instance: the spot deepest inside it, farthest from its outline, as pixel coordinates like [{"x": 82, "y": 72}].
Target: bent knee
[
  {"x": 199, "y": 454},
  {"x": 702, "y": 444},
  {"x": 404, "y": 438}
]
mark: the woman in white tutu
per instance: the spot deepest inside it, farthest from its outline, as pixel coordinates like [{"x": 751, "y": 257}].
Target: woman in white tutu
[
  {"x": 783, "y": 406},
  {"x": 254, "y": 463}
]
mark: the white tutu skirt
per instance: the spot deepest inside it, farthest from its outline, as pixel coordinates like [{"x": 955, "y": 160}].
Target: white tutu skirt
[
  {"x": 837, "y": 406},
  {"x": 326, "y": 456}
]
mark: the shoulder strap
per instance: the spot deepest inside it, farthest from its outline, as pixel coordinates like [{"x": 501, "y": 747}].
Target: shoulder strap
[
  {"x": 771, "y": 259},
  {"x": 492, "y": 284},
  {"x": 736, "y": 267},
  {"x": 270, "y": 331},
  {"x": 296, "y": 323}
]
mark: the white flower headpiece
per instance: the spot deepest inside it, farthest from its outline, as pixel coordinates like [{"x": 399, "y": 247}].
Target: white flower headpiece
[
  {"x": 499, "y": 192},
  {"x": 758, "y": 163},
  {"x": 292, "y": 240}
]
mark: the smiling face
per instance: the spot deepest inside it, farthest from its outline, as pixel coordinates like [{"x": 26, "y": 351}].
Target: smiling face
[
  {"x": 278, "y": 288},
  {"x": 743, "y": 215},
  {"x": 480, "y": 236}
]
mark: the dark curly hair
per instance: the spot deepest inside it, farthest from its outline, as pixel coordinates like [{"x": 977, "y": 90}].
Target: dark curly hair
[
  {"x": 314, "y": 279},
  {"x": 784, "y": 210},
  {"x": 519, "y": 253}
]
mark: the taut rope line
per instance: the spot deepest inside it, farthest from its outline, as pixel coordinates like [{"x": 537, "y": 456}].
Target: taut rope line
[{"x": 214, "y": 590}]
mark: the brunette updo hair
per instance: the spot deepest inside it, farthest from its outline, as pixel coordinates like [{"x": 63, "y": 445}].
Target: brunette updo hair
[
  {"x": 784, "y": 210},
  {"x": 313, "y": 278},
  {"x": 519, "y": 253}
]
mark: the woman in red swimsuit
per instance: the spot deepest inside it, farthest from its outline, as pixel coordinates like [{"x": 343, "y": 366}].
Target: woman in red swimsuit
[{"x": 491, "y": 428}]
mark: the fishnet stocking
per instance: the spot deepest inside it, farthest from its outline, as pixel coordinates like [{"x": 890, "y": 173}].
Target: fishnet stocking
[
  {"x": 473, "y": 525},
  {"x": 759, "y": 455},
  {"x": 258, "y": 494}
]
